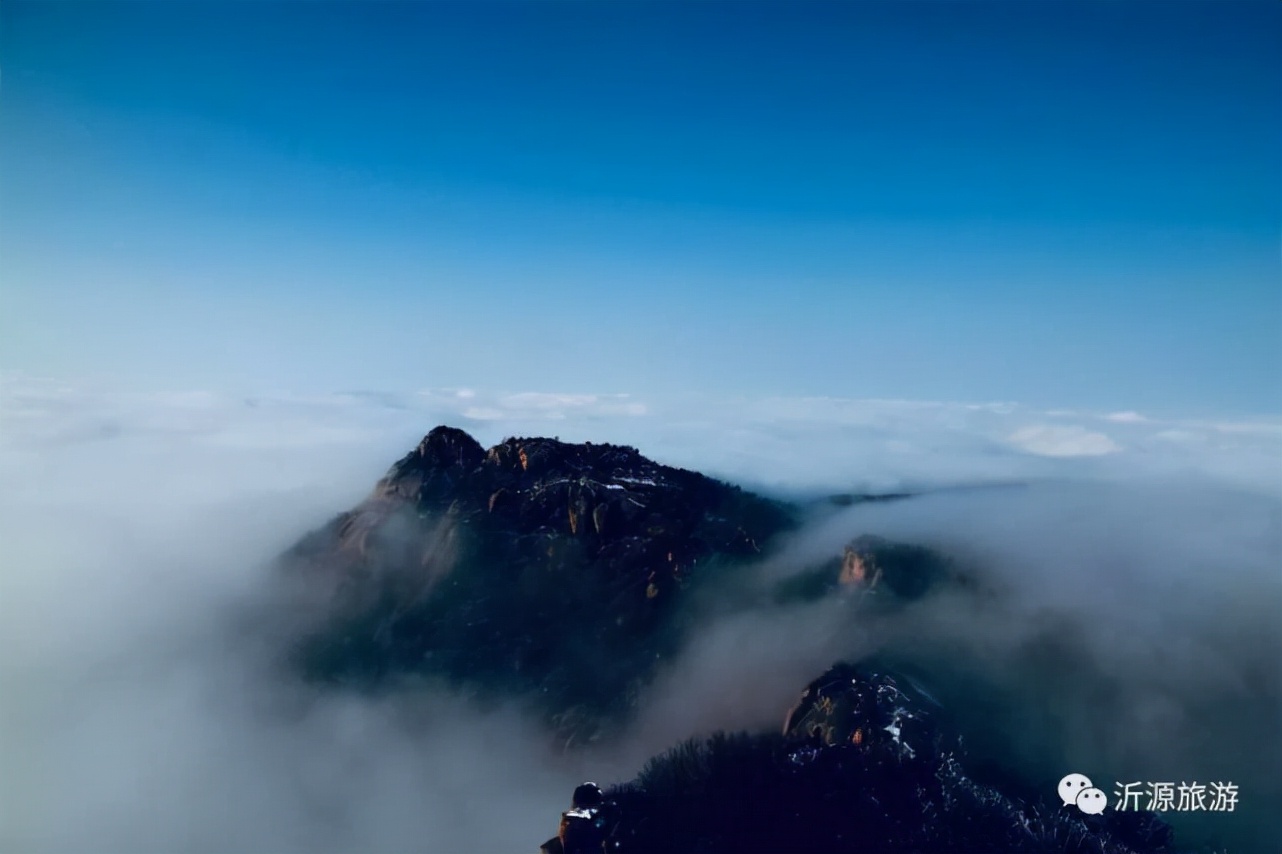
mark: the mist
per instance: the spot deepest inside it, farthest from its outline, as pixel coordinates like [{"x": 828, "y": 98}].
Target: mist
[
  {"x": 1129, "y": 629},
  {"x": 1131, "y": 633}
]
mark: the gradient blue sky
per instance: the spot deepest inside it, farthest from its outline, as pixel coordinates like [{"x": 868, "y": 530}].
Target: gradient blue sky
[{"x": 1059, "y": 204}]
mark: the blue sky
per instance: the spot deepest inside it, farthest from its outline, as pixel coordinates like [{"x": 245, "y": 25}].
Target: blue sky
[{"x": 1059, "y": 204}]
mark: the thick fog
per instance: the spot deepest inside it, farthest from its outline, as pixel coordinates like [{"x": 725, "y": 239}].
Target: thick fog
[
  {"x": 1128, "y": 631},
  {"x": 1132, "y": 632}
]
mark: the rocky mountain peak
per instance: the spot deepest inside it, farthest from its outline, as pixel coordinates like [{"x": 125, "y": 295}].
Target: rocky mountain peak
[
  {"x": 446, "y": 447},
  {"x": 535, "y": 565}
]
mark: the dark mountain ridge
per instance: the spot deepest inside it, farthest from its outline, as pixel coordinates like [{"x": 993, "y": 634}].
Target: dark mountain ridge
[
  {"x": 865, "y": 762},
  {"x": 536, "y": 566},
  {"x": 561, "y": 575},
  {"x": 546, "y": 569}
]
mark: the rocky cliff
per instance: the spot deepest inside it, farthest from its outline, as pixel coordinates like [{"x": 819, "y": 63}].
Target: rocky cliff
[{"x": 534, "y": 567}]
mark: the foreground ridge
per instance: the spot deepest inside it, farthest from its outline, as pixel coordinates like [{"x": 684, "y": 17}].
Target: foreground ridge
[{"x": 864, "y": 763}]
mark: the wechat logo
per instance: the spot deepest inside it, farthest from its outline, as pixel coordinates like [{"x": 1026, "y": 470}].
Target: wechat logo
[{"x": 1077, "y": 790}]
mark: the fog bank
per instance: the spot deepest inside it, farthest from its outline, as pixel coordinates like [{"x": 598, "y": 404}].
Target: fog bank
[{"x": 143, "y": 708}]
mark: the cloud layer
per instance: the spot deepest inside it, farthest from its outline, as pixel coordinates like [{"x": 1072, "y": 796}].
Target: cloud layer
[
  {"x": 782, "y": 443},
  {"x": 144, "y": 709}
]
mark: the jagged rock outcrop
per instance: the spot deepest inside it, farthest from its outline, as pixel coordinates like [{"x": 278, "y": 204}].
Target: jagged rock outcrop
[
  {"x": 895, "y": 572},
  {"x": 884, "y": 714},
  {"x": 864, "y": 764},
  {"x": 537, "y": 567}
]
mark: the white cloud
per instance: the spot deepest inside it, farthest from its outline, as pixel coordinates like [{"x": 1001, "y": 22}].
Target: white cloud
[
  {"x": 529, "y": 405},
  {"x": 1054, "y": 440},
  {"x": 1125, "y": 417},
  {"x": 481, "y": 413}
]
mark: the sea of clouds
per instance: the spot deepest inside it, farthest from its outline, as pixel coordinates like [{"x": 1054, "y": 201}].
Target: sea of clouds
[{"x": 140, "y": 713}]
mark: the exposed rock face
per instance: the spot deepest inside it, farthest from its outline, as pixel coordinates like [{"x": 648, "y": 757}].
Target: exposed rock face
[
  {"x": 537, "y": 566},
  {"x": 878, "y": 712},
  {"x": 897, "y": 572},
  {"x": 907, "y": 571},
  {"x": 863, "y": 764}
]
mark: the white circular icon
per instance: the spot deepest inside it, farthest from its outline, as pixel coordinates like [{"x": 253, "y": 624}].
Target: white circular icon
[
  {"x": 1072, "y": 786},
  {"x": 1091, "y": 801}
]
